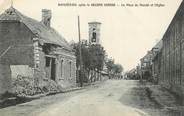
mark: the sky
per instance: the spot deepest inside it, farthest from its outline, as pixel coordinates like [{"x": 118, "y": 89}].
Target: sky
[{"x": 127, "y": 33}]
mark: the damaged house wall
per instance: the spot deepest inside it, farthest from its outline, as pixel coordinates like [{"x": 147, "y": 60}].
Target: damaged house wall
[
  {"x": 34, "y": 49},
  {"x": 16, "y": 36},
  {"x": 58, "y": 65}
]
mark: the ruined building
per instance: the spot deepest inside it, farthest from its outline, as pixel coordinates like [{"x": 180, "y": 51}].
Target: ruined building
[
  {"x": 156, "y": 61},
  {"x": 34, "y": 49}
]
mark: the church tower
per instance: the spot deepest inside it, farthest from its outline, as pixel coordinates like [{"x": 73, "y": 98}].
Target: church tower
[{"x": 94, "y": 32}]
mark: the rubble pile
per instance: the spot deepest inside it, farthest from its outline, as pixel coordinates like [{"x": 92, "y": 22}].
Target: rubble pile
[
  {"x": 51, "y": 87},
  {"x": 23, "y": 86},
  {"x": 26, "y": 86}
]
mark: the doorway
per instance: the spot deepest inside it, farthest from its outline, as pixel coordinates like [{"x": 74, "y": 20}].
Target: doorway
[{"x": 53, "y": 69}]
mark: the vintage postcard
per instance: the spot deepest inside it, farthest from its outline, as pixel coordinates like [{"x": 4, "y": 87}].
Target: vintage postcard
[{"x": 91, "y": 58}]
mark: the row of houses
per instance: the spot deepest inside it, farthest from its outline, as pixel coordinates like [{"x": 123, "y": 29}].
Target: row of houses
[
  {"x": 132, "y": 74},
  {"x": 149, "y": 68},
  {"x": 164, "y": 63}
]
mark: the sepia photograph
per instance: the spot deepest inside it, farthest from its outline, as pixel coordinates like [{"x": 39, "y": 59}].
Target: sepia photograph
[{"x": 91, "y": 58}]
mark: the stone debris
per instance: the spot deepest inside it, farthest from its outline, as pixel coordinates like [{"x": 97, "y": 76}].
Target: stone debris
[{"x": 25, "y": 86}]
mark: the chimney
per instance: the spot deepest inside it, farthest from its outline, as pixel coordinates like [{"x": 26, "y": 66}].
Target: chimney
[{"x": 46, "y": 17}]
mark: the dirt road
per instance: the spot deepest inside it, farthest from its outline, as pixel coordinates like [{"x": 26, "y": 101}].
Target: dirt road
[
  {"x": 110, "y": 98},
  {"x": 103, "y": 101},
  {"x": 97, "y": 100}
]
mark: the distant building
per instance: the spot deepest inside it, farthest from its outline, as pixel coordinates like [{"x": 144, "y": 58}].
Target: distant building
[
  {"x": 146, "y": 65},
  {"x": 132, "y": 74},
  {"x": 94, "y": 32},
  {"x": 151, "y": 63},
  {"x": 156, "y": 61},
  {"x": 32, "y": 48}
]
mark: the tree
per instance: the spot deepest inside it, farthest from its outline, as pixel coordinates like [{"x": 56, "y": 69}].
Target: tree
[
  {"x": 92, "y": 58},
  {"x": 113, "y": 69},
  {"x": 97, "y": 60},
  {"x": 86, "y": 59},
  {"x": 110, "y": 65},
  {"x": 97, "y": 56},
  {"x": 118, "y": 69}
]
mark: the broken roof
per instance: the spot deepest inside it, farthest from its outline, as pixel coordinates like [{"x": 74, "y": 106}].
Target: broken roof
[{"x": 46, "y": 34}]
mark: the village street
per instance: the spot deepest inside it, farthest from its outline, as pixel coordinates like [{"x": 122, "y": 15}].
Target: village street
[{"x": 109, "y": 98}]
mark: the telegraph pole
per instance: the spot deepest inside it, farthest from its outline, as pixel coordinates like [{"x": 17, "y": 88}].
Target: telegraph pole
[{"x": 80, "y": 56}]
